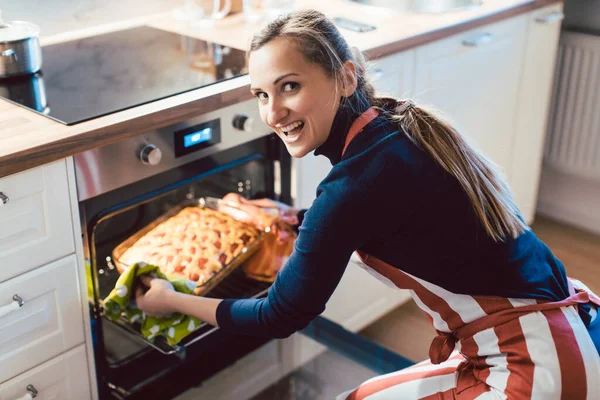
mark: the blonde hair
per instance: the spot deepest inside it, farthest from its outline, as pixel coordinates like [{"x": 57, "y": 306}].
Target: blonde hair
[{"x": 317, "y": 38}]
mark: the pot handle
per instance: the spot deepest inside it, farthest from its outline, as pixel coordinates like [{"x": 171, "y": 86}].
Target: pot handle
[{"x": 10, "y": 54}]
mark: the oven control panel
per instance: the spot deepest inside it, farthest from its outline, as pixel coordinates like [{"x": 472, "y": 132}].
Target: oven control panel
[{"x": 101, "y": 170}]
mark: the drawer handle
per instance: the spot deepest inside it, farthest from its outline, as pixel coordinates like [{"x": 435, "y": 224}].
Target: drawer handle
[
  {"x": 32, "y": 393},
  {"x": 546, "y": 19},
  {"x": 15, "y": 305},
  {"x": 3, "y": 199},
  {"x": 478, "y": 41}
]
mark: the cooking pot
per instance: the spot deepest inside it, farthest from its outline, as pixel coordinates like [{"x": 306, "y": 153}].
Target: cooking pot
[{"x": 20, "y": 51}]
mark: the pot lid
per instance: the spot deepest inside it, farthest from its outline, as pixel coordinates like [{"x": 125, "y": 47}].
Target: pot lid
[{"x": 17, "y": 30}]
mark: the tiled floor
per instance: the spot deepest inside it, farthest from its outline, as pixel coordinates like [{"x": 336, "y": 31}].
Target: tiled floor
[{"x": 407, "y": 331}]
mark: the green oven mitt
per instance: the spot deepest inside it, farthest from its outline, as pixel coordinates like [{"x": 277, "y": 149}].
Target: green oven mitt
[{"x": 121, "y": 302}]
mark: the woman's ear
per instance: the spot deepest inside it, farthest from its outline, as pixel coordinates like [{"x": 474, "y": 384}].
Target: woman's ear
[{"x": 349, "y": 79}]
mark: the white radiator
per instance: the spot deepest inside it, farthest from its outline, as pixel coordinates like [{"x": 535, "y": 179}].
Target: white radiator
[{"x": 573, "y": 142}]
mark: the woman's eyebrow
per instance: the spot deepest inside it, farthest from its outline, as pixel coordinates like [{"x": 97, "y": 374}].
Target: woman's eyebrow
[{"x": 254, "y": 89}]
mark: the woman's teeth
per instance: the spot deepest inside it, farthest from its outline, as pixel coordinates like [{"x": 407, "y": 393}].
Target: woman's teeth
[{"x": 291, "y": 128}]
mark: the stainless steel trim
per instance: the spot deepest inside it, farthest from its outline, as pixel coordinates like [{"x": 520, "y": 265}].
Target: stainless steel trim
[
  {"x": 4, "y": 198},
  {"x": 478, "y": 41},
  {"x": 546, "y": 19},
  {"x": 107, "y": 168}
]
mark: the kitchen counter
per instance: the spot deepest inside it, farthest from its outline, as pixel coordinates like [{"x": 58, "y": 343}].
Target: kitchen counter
[{"x": 28, "y": 140}]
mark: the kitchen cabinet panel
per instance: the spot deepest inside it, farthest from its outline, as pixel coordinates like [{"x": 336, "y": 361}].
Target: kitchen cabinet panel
[
  {"x": 35, "y": 219},
  {"x": 473, "y": 78},
  {"x": 393, "y": 75},
  {"x": 533, "y": 106},
  {"x": 48, "y": 323},
  {"x": 63, "y": 378}
]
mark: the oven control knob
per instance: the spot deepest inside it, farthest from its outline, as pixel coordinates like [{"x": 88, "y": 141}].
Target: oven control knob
[
  {"x": 242, "y": 122},
  {"x": 150, "y": 155}
]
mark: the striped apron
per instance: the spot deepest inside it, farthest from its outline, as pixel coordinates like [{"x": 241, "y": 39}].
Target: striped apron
[{"x": 489, "y": 347}]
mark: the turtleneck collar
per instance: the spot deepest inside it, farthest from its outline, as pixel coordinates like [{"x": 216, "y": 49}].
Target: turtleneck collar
[{"x": 350, "y": 109}]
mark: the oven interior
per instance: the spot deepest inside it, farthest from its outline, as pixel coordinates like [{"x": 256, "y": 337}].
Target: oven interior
[{"x": 128, "y": 365}]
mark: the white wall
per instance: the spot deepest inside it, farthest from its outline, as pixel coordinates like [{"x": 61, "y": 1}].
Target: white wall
[
  {"x": 57, "y": 16},
  {"x": 583, "y": 14}
]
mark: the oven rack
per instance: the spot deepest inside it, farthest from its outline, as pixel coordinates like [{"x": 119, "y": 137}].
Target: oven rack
[{"x": 236, "y": 285}]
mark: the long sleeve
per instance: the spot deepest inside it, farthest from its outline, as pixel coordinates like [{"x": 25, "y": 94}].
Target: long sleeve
[{"x": 334, "y": 226}]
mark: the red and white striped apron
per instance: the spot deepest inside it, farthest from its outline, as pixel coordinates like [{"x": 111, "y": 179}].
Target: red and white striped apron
[{"x": 489, "y": 347}]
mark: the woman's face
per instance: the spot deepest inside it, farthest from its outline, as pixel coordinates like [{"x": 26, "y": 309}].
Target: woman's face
[{"x": 295, "y": 98}]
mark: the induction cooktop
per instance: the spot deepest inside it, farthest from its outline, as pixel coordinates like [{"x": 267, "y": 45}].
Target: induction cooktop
[{"x": 99, "y": 75}]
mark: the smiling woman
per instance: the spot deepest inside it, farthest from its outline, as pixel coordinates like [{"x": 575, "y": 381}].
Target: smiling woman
[{"x": 453, "y": 235}]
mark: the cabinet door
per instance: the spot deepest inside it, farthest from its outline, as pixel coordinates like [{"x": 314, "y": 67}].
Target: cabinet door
[
  {"x": 473, "y": 80},
  {"x": 393, "y": 75},
  {"x": 62, "y": 378},
  {"x": 533, "y": 106},
  {"x": 35, "y": 219}
]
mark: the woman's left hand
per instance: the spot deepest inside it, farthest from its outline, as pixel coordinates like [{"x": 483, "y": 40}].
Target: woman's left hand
[{"x": 157, "y": 300}]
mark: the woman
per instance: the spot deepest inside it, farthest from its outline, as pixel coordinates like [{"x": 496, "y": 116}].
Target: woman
[{"x": 425, "y": 211}]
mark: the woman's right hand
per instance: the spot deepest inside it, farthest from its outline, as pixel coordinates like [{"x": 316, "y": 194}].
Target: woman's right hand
[{"x": 287, "y": 213}]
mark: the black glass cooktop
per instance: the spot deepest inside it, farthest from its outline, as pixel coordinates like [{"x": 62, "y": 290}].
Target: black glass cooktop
[{"x": 99, "y": 75}]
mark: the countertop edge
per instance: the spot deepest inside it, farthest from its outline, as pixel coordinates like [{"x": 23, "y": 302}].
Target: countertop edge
[{"x": 66, "y": 147}]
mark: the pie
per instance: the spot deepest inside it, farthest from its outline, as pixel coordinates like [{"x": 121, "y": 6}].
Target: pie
[{"x": 194, "y": 244}]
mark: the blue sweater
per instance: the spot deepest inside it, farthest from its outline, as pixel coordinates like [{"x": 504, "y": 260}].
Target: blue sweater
[{"x": 387, "y": 197}]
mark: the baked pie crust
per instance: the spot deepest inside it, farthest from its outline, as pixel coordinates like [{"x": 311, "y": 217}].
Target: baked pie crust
[{"x": 194, "y": 244}]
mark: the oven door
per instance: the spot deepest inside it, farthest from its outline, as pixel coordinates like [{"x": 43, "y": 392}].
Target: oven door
[{"x": 128, "y": 365}]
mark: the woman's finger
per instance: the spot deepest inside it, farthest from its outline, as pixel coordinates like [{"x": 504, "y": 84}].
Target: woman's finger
[{"x": 146, "y": 280}]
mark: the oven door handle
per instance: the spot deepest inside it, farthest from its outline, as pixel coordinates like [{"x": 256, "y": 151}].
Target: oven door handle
[{"x": 355, "y": 347}]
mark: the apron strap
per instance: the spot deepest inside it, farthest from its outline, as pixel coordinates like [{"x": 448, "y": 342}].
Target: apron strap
[
  {"x": 444, "y": 343},
  {"x": 358, "y": 125}
]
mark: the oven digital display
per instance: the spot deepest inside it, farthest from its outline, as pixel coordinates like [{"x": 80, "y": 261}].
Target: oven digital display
[
  {"x": 197, "y": 137},
  {"x": 192, "y": 139}
]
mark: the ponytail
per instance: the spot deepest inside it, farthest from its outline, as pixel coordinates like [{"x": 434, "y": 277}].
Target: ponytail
[{"x": 488, "y": 192}]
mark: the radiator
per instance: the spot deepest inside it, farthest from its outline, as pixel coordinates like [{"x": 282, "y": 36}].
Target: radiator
[{"x": 573, "y": 142}]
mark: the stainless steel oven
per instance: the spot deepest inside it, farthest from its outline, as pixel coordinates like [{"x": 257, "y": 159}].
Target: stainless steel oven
[{"x": 124, "y": 186}]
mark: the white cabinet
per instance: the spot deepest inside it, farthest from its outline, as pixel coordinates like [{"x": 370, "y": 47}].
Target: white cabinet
[
  {"x": 63, "y": 378},
  {"x": 533, "y": 106},
  {"x": 49, "y": 322},
  {"x": 393, "y": 75},
  {"x": 473, "y": 78},
  {"x": 35, "y": 219}
]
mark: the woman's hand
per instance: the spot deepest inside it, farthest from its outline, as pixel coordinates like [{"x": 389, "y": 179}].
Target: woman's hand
[
  {"x": 287, "y": 213},
  {"x": 157, "y": 300}
]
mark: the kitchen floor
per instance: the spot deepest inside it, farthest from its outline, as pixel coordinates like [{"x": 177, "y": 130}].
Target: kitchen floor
[{"x": 408, "y": 332}]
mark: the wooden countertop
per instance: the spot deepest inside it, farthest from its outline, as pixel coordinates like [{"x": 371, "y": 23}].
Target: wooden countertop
[{"x": 28, "y": 140}]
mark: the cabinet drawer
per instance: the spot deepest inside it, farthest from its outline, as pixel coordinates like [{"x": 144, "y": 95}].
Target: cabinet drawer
[
  {"x": 62, "y": 378},
  {"x": 35, "y": 219},
  {"x": 49, "y": 322},
  {"x": 475, "y": 38}
]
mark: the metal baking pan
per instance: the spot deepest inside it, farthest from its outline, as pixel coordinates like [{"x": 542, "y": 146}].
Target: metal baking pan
[{"x": 214, "y": 204}]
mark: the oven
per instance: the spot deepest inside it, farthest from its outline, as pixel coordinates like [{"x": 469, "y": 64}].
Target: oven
[{"x": 124, "y": 186}]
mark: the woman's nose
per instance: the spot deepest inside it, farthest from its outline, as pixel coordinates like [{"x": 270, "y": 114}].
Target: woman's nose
[{"x": 277, "y": 111}]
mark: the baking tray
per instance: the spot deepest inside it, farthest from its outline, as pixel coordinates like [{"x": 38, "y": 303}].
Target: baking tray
[{"x": 203, "y": 202}]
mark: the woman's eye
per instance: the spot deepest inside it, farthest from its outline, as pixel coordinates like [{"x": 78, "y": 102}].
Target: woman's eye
[
  {"x": 261, "y": 95},
  {"x": 290, "y": 86}
]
